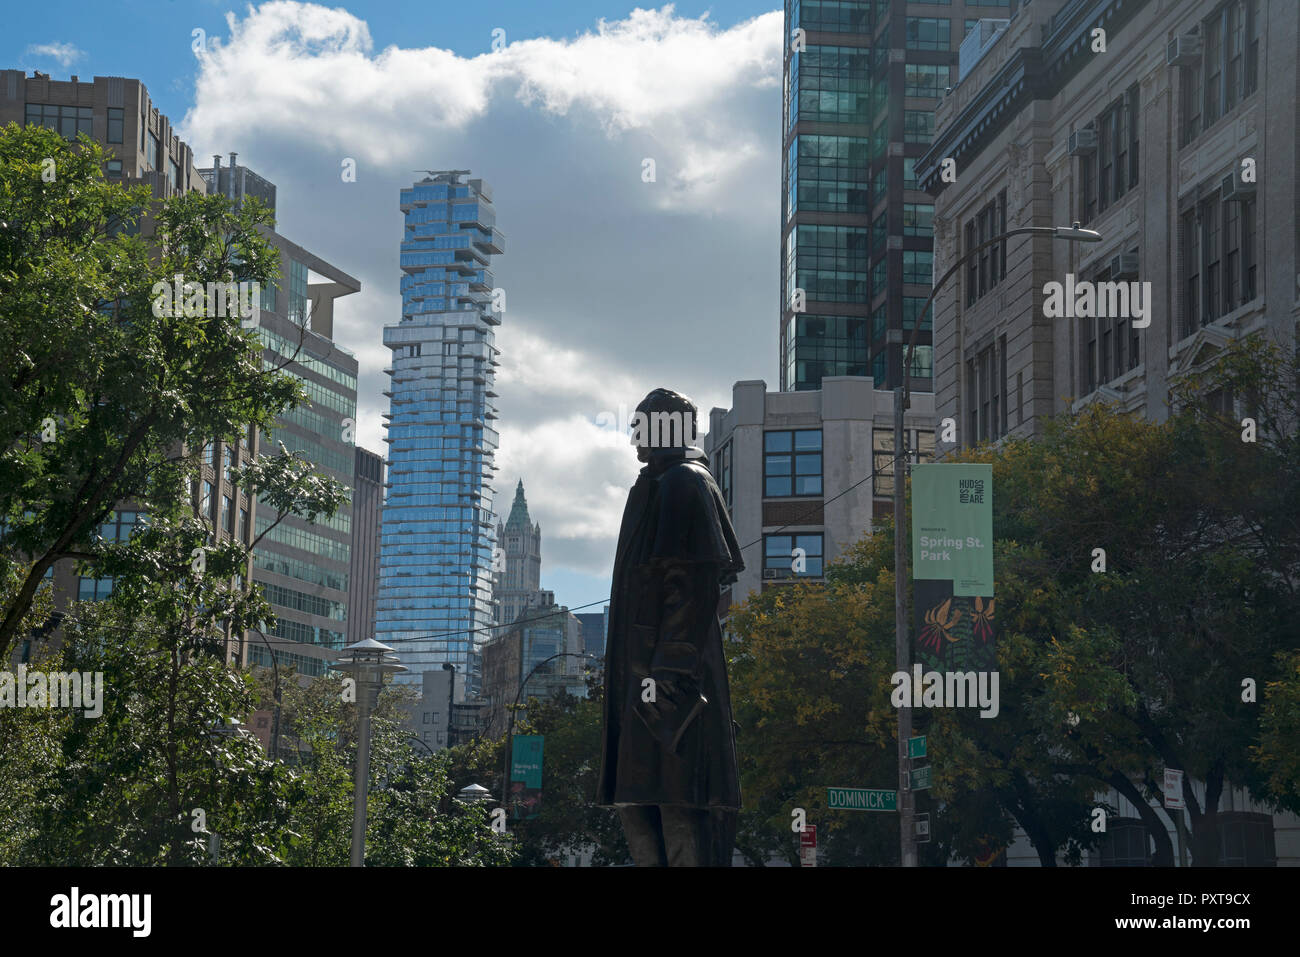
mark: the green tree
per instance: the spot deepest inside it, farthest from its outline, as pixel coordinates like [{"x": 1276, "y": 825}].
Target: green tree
[{"x": 100, "y": 393}]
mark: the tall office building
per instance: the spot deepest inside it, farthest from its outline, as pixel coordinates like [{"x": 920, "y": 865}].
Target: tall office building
[
  {"x": 304, "y": 568},
  {"x": 520, "y": 545},
  {"x": 434, "y": 603},
  {"x": 861, "y": 82},
  {"x": 367, "y": 514}
]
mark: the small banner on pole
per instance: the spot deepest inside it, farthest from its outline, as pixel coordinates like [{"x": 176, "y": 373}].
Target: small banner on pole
[
  {"x": 952, "y": 566},
  {"x": 526, "y": 775}
]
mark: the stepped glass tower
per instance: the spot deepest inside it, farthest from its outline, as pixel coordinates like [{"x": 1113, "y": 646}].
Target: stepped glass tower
[{"x": 434, "y": 602}]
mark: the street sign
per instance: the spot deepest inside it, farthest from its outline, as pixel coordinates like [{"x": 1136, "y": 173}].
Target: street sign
[
  {"x": 808, "y": 846},
  {"x": 923, "y": 829},
  {"x": 920, "y": 779},
  {"x": 861, "y": 799},
  {"x": 1174, "y": 788},
  {"x": 916, "y": 746}
]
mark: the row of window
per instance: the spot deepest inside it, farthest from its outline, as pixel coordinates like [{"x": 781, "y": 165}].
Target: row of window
[
  {"x": 301, "y": 601},
  {"x": 303, "y": 571},
  {"x": 1227, "y": 71},
  {"x": 1113, "y": 170},
  {"x": 986, "y": 393},
  {"x": 1217, "y": 242},
  {"x": 987, "y": 269}
]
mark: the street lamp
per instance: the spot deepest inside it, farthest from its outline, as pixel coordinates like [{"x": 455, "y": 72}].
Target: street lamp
[
  {"x": 902, "y": 650},
  {"x": 367, "y": 662},
  {"x": 474, "y": 794}
]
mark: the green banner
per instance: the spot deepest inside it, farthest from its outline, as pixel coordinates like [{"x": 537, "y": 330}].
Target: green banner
[
  {"x": 952, "y": 561},
  {"x": 526, "y": 774},
  {"x": 952, "y": 526}
]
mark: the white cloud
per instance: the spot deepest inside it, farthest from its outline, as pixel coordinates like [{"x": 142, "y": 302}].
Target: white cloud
[
  {"x": 65, "y": 53},
  {"x": 313, "y": 73}
]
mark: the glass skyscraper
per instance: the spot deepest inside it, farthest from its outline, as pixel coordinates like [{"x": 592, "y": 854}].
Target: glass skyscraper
[
  {"x": 862, "y": 78},
  {"x": 434, "y": 602}
]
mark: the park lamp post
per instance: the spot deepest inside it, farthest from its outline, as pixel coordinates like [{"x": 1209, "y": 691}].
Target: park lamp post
[
  {"x": 367, "y": 662},
  {"x": 902, "y": 400}
]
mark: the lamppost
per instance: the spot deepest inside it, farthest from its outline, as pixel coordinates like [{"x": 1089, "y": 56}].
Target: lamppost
[
  {"x": 367, "y": 662},
  {"x": 902, "y": 649},
  {"x": 510, "y": 724}
]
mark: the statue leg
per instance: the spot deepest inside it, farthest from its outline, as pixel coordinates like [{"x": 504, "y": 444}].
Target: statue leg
[
  {"x": 722, "y": 825},
  {"x": 641, "y": 827},
  {"x": 686, "y": 836}
]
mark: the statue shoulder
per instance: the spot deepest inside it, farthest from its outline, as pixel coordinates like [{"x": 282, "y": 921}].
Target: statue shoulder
[{"x": 687, "y": 477}]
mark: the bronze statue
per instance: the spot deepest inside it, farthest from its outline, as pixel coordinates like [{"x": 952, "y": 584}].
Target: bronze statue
[{"x": 668, "y": 748}]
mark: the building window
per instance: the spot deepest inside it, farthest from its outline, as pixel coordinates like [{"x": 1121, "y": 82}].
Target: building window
[
  {"x": 829, "y": 174},
  {"x": 1126, "y": 844},
  {"x": 922, "y": 362},
  {"x": 1227, "y": 71},
  {"x": 722, "y": 471},
  {"x": 227, "y": 514},
  {"x": 918, "y": 219},
  {"x": 67, "y": 121},
  {"x": 779, "y": 555},
  {"x": 985, "y": 395},
  {"x": 94, "y": 589},
  {"x": 909, "y": 173},
  {"x": 926, "y": 79},
  {"x": 1087, "y": 188},
  {"x": 1246, "y": 840},
  {"x": 830, "y": 84},
  {"x": 918, "y": 266},
  {"x": 928, "y": 33},
  {"x": 911, "y": 310},
  {"x": 989, "y": 267},
  {"x": 918, "y": 126},
  {"x": 205, "y": 501},
  {"x": 115, "y": 124},
  {"x": 121, "y": 524},
  {"x": 792, "y": 463},
  {"x": 1117, "y": 149},
  {"x": 831, "y": 263},
  {"x": 297, "y": 291},
  {"x": 1218, "y": 251},
  {"x": 243, "y": 526},
  {"x": 114, "y": 168},
  {"x": 920, "y": 449}
]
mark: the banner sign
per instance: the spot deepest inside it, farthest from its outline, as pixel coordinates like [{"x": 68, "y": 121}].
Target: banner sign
[
  {"x": 526, "y": 775},
  {"x": 952, "y": 566}
]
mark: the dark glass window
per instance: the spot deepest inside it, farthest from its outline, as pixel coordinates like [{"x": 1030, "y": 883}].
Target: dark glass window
[
  {"x": 792, "y": 463},
  {"x": 779, "y": 555},
  {"x": 928, "y": 33},
  {"x": 115, "y": 123}
]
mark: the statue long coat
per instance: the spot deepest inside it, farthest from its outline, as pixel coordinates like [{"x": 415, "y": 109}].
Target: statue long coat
[{"x": 676, "y": 547}]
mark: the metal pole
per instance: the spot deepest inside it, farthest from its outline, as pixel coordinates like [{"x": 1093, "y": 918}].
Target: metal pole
[
  {"x": 902, "y": 648},
  {"x": 362, "y": 783},
  {"x": 902, "y": 651}
]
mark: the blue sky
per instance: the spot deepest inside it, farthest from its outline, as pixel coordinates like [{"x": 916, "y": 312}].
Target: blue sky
[{"x": 615, "y": 286}]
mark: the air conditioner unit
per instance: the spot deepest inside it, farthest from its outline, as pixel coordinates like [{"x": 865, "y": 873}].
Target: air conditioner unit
[
  {"x": 1124, "y": 266},
  {"x": 1233, "y": 190},
  {"x": 1083, "y": 141},
  {"x": 1183, "y": 51}
]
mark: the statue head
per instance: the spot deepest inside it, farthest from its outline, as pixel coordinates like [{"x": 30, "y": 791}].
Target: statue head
[{"x": 665, "y": 422}]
